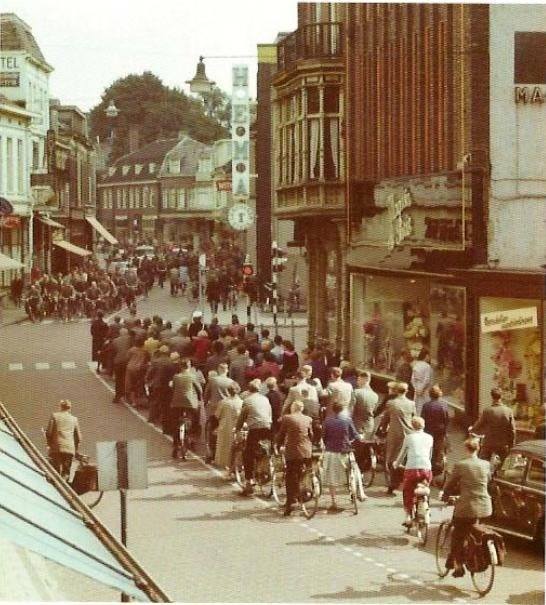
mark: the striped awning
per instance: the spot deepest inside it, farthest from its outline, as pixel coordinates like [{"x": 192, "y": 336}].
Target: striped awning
[
  {"x": 101, "y": 229},
  {"x": 71, "y": 247}
]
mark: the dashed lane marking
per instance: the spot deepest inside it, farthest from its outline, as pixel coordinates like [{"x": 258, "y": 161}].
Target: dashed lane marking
[
  {"x": 68, "y": 365},
  {"x": 15, "y": 367},
  {"x": 42, "y": 366}
]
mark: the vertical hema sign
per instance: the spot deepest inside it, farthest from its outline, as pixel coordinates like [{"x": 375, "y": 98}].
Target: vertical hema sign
[{"x": 240, "y": 126}]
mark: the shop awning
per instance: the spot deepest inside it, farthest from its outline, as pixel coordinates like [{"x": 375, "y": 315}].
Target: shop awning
[
  {"x": 71, "y": 247},
  {"x": 50, "y": 222},
  {"x": 8, "y": 264},
  {"x": 101, "y": 229},
  {"x": 38, "y": 513}
]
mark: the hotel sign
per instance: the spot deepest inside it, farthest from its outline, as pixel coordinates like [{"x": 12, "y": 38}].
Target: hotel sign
[
  {"x": 240, "y": 126},
  {"x": 515, "y": 319}
]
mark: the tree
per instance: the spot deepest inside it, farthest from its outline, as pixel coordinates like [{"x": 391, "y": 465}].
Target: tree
[{"x": 159, "y": 111}]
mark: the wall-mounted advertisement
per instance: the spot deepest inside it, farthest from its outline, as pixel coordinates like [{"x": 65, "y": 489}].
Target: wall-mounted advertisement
[{"x": 240, "y": 127}]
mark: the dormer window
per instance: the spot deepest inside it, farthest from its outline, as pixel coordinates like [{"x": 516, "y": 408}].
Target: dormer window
[
  {"x": 125, "y": 170},
  {"x": 151, "y": 167},
  {"x": 138, "y": 168},
  {"x": 111, "y": 171},
  {"x": 174, "y": 166}
]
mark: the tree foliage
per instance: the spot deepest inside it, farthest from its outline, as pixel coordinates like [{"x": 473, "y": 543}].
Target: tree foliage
[{"x": 158, "y": 110}]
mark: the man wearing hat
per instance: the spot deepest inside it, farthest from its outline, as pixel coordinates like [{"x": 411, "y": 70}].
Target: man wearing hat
[{"x": 63, "y": 438}]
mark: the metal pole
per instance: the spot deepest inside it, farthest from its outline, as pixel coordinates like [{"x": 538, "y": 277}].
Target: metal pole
[
  {"x": 123, "y": 508},
  {"x": 121, "y": 451},
  {"x": 275, "y": 295}
]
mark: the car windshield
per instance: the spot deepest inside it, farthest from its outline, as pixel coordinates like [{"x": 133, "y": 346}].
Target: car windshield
[{"x": 513, "y": 468}]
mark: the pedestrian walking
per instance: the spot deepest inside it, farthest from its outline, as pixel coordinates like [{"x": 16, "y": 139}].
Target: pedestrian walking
[
  {"x": 120, "y": 354},
  {"x": 63, "y": 438},
  {"x": 436, "y": 416},
  {"x": 99, "y": 333}
]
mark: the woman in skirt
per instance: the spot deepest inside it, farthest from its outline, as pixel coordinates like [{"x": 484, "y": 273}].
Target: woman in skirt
[{"x": 339, "y": 432}]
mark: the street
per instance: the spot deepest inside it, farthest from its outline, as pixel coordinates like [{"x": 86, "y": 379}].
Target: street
[{"x": 198, "y": 537}]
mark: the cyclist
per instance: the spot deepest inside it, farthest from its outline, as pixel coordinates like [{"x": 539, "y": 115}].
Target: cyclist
[
  {"x": 256, "y": 412},
  {"x": 92, "y": 298},
  {"x": 417, "y": 451},
  {"x": 186, "y": 398},
  {"x": 469, "y": 480},
  {"x": 338, "y": 433},
  {"x": 498, "y": 426},
  {"x": 67, "y": 295},
  {"x": 33, "y": 301},
  {"x": 296, "y": 434}
]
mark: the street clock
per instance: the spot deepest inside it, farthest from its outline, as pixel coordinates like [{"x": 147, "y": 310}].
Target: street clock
[{"x": 240, "y": 216}]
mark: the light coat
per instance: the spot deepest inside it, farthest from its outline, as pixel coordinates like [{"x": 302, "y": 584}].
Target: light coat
[
  {"x": 227, "y": 412},
  {"x": 397, "y": 416},
  {"x": 63, "y": 433},
  {"x": 469, "y": 478},
  {"x": 187, "y": 391}
]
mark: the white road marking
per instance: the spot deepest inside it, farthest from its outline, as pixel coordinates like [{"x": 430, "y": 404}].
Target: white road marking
[
  {"x": 15, "y": 367},
  {"x": 41, "y": 366},
  {"x": 68, "y": 365}
]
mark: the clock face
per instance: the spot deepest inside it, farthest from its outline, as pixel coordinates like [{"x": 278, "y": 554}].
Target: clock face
[{"x": 240, "y": 216}]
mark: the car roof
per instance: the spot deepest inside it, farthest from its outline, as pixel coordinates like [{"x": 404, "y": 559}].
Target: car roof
[{"x": 535, "y": 447}]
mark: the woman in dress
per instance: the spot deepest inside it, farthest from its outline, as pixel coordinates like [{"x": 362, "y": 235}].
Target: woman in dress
[
  {"x": 338, "y": 433},
  {"x": 227, "y": 413}
]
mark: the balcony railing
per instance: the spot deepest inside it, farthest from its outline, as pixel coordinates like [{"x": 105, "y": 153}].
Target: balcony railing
[{"x": 316, "y": 41}]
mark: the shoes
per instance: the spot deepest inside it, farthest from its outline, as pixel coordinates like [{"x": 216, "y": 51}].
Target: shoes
[
  {"x": 458, "y": 573},
  {"x": 287, "y": 511},
  {"x": 391, "y": 492}
]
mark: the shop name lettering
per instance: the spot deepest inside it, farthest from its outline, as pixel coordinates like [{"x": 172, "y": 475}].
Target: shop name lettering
[
  {"x": 9, "y": 63},
  {"x": 529, "y": 94},
  {"x": 505, "y": 323}
]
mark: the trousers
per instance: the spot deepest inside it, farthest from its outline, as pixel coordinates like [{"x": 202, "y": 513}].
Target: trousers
[{"x": 251, "y": 450}]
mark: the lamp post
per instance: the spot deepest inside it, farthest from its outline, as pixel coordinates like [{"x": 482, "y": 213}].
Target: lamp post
[
  {"x": 112, "y": 113},
  {"x": 201, "y": 85}
]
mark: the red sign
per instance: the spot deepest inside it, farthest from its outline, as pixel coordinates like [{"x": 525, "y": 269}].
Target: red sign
[
  {"x": 248, "y": 270},
  {"x": 10, "y": 222},
  {"x": 223, "y": 185}
]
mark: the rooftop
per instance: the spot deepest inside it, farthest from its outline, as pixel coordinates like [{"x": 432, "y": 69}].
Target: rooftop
[{"x": 16, "y": 35}]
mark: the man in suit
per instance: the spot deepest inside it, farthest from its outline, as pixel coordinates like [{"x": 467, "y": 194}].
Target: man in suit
[
  {"x": 341, "y": 388},
  {"x": 468, "y": 480},
  {"x": 436, "y": 416},
  {"x": 187, "y": 394},
  {"x": 295, "y": 392},
  {"x": 158, "y": 376},
  {"x": 397, "y": 416},
  {"x": 120, "y": 353},
  {"x": 365, "y": 401},
  {"x": 295, "y": 432},
  {"x": 498, "y": 427},
  {"x": 239, "y": 366},
  {"x": 63, "y": 438}
]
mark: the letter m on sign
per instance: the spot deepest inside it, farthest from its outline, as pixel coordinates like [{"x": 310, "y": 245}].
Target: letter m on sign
[{"x": 521, "y": 94}]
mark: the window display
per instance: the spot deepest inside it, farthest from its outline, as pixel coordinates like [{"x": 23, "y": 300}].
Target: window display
[
  {"x": 511, "y": 360},
  {"x": 409, "y": 328}
]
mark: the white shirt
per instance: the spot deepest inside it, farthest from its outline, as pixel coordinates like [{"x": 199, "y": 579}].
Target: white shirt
[
  {"x": 343, "y": 389},
  {"x": 418, "y": 448}
]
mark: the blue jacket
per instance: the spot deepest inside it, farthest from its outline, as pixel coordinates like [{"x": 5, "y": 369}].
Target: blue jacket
[
  {"x": 339, "y": 431},
  {"x": 436, "y": 417}
]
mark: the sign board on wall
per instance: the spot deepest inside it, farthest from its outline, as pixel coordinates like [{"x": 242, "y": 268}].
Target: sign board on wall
[
  {"x": 240, "y": 126},
  {"x": 515, "y": 319}
]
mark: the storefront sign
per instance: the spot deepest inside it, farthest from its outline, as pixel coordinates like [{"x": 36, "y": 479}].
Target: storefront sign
[
  {"x": 529, "y": 94},
  {"x": 515, "y": 319},
  {"x": 240, "y": 126}
]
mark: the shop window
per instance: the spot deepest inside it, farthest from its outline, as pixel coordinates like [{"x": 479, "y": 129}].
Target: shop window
[
  {"x": 400, "y": 321},
  {"x": 510, "y": 359}
]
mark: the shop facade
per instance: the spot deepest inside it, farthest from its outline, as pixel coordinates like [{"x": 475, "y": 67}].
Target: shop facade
[{"x": 481, "y": 329}]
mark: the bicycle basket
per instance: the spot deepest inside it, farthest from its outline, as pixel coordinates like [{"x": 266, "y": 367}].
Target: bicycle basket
[{"x": 85, "y": 479}]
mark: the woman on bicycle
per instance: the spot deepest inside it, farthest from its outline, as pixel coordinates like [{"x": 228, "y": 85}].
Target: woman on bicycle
[
  {"x": 469, "y": 480},
  {"x": 338, "y": 433}
]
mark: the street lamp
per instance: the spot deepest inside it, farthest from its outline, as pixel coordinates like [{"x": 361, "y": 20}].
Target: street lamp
[
  {"x": 201, "y": 85},
  {"x": 112, "y": 113}
]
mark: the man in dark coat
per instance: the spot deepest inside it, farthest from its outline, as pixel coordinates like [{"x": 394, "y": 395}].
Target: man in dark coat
[
  {"x": 436, "y": 417},
  {"x": 99, "y": 333},
  {"x": 158, "y": 376},
  {"x": 120, "y": 351}
]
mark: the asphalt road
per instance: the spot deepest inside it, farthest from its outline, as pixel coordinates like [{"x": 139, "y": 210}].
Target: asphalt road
[{"x": 199, "y": 538}]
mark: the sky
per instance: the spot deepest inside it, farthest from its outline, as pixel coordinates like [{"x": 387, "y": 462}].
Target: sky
[{"x": 91, "y": 43}]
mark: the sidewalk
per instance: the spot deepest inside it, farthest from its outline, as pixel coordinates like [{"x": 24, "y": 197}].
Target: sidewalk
[{"x": 10, "y": 315}]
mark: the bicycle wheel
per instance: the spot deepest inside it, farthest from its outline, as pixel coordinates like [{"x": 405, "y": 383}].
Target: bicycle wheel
[
  {"x": 352, "y": 486},
  {"x": 310, "y": 506},
  {"x": 422, "y": 533},
  {"x": 368, "y": 474},
  {"x": 483, "y": 580},
  {"x": 443, "y": 546},
  {"x": 264, "y": 476},
  {"x": 238, "y": 468},
  {"x": 278, "y": 487}
]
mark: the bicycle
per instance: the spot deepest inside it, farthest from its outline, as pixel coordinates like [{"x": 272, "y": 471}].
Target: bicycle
[
  {"x": 354, "y": 482},
  {"x": 310, "y": 484},
  {"x": 483, "y": 576},
  {"x": 237, "y": 448},
  {"x": 184, "y": 432},
  {"x": 420, "y": 516}
]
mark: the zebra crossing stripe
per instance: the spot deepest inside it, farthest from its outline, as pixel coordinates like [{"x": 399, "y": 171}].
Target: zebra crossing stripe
[
  {"x": 14, "y": 367},
  {"x": 68, "y": 365},
  {"x": 42, "y": 366}
]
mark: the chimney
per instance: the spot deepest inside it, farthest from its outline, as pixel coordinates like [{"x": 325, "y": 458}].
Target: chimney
[{"x": 134, "y": 138}]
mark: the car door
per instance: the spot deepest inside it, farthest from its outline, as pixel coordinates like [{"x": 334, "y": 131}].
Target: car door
[
  {"x": 507, "y": 492},
  {"x": 534, "y": 494}
]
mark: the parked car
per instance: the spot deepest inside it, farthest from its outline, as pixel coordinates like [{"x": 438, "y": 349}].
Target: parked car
[{"x": 518, "y": 492}]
